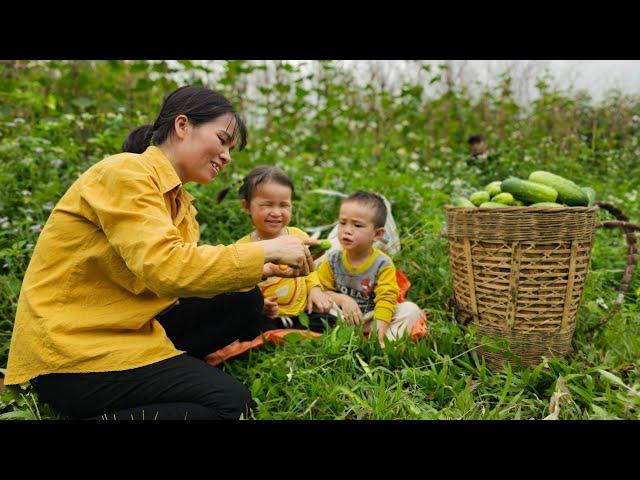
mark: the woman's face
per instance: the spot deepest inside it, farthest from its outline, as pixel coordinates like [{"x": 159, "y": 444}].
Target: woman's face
[{"x": 204, "y": 149}]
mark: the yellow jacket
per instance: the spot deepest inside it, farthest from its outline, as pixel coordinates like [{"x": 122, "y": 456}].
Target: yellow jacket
[
  {"x": 292, "y": 293},
  {"x": 119, "y": 248}
]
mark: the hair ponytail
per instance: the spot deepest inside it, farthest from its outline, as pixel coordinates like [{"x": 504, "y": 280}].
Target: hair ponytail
[
  {"x": 198, "y": 104},
  {"x": 138, "y": 139}
]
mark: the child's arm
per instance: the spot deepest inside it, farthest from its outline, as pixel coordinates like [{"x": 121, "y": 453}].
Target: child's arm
[
  {"x": 386, "y": 294},
  {"x": 317, "y": 300},
  {"x": 270, "y": 308},
  {"x": 386, "y": 300},
  {"x": 348, "y": 305},
  {"x": 324, "y": 274}
]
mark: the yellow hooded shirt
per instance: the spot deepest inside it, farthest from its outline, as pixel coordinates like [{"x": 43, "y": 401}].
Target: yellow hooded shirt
[
  {"x": 292, "y": 293},
  {"x": 119, "y": 248}
]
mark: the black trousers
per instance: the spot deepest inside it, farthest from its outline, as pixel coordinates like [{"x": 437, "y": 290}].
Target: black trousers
[
  {"x": 181, "y": 387},
  {"x": 317, "y": 322}
]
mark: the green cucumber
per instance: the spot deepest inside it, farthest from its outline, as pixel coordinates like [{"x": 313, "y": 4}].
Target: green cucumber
[
  {"x": 323, "y": 247},
  {"x": 494, "y": 188},
  {"x": 479, "y": 197},
  {"x": 547, "y": 205},
  {"x": 463, "y": 202},
  {"x": 591, "y": 195},
  {"x": 528, "y": 192},
  {"x": 504, "y": 198},
  {"x": 493, "y": 205},
  {"x": 568, "y": 191}
]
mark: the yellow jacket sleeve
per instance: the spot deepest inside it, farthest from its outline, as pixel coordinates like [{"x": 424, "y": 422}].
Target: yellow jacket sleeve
[
  {"x": 130, "y": 208},
  {"x": 386, "y": 294},
  {"x": 325, "y": 275},
  {"x": 312, "y": 280}
]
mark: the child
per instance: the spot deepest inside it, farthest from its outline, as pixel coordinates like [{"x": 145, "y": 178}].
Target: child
[
  {"x": 266, "y": 196},
  {"x": 361, "y": 279}
]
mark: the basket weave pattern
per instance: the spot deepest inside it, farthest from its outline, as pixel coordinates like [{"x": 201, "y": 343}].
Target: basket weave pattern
[{"x": 518, "y": 274}]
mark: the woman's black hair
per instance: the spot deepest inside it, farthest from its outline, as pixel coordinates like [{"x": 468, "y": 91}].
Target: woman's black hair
[
  {"x": 263, "y": 174},
  {"x": 199, "y": 104}
]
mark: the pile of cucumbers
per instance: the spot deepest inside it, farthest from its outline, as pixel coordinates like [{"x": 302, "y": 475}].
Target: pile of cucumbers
[{"x": 542, "y": 189}]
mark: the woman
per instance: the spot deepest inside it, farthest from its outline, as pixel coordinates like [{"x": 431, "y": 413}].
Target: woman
[{"x": 117, "y": 289}]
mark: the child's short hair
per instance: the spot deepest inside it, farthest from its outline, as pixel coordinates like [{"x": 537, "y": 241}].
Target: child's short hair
[
  {"x": 374, "y": 200},
  {"x": 263, "y": 174}
]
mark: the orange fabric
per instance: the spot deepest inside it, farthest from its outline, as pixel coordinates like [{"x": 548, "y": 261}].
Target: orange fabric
[
  {"x": 420, "y": 329},
  {"x": 403, "y": 283},
  {"x": 236, "y": 348}
]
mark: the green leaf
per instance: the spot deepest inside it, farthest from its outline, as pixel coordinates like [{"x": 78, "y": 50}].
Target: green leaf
[
  {"x": 611, "y": 377},
  {"x": 82, "y": 102},
  {"x": 304, "y": 319}
]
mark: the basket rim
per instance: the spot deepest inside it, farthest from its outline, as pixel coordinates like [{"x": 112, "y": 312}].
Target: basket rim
[{"x": 529, "y": 208}]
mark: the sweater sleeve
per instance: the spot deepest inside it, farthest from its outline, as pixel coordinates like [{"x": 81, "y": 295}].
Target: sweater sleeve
[
  {"x": 130, "y": 209},
  {"x": 312, "y": 280},
  {"x": 325, "y": 275},
  {"x": 386, "y": 291}
]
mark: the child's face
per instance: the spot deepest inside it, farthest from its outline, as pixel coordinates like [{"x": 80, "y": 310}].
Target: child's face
[
  {"x": 356, "y": 230},
  {"x": 478, "y": 148},
  {"x": 270, "y": 208}
]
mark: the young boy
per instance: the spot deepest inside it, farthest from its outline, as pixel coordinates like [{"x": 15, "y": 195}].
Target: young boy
[{"x": 360, "y": 279}]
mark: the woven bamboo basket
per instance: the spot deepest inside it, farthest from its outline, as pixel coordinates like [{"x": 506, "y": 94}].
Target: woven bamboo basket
[{"x": 518, "y": 275}]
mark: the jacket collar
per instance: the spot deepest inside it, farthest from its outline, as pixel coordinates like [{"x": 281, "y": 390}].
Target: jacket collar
[{"x": 167, "y": 176}]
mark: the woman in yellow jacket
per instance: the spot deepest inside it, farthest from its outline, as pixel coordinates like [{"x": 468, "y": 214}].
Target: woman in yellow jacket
[{"x": 119, "y": 304}]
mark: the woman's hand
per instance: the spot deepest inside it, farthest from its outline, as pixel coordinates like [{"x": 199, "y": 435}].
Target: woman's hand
[
  {"x": 289, "y": 250},
  {"x": 318, "y": 301},
  {"x": 350, "y": 310},
  {"x": 270, "y": 308}
]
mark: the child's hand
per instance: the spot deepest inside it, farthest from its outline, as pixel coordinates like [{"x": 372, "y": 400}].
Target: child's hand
[
  {"x": 382, "y": 328},
  {"x": 270, "y": 308},
  {"x": 351, "y": 310},
  {"x": 318, "y": 301}
]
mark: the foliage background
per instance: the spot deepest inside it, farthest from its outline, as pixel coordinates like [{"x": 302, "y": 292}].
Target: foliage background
[{"x": 328, "y": 131}]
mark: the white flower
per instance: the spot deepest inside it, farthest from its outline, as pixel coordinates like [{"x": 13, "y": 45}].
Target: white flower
[{"x": 600, "y": 301}]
